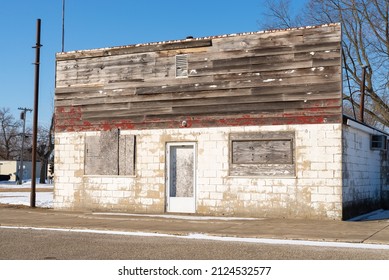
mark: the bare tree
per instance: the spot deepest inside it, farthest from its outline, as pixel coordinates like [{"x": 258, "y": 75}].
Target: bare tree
[
  {"x": 365, "y": 29},
  {"x": 45, "y": 147},
  {"x": 9, "y": 135},
  {"x": 280, "y": 14}
]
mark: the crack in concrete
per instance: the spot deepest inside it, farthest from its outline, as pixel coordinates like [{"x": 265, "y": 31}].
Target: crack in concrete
[{"x": 369, "y": 237}]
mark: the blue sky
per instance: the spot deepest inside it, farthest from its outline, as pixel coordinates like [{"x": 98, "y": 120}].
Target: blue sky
[{"x": 93, "y": 24}]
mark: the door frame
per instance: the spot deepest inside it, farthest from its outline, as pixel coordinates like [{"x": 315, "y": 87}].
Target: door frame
[{"x": 169, "y": 145}]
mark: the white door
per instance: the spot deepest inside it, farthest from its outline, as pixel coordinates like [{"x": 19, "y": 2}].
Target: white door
[{"x": 181, "y": 179}]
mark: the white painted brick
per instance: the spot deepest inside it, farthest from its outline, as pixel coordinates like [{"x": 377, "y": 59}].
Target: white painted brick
[
  {"x": 106, "y": 180},
  {"x": 326, "y": 174},
  {"x": 318, "y": 166},
  {"x": 203, "y": 195},
  {"x": 310, "y": 174},
  {"x": 208, "y": 188},
  {"x": 211, "y": 173},
  {"x": 333, "y": 198},
  {"x": 221, "y": 188},
  {"x": 216, "y": 195},
  {"x": 209, "y": 202},
  {"x": 279, "y": 189},
  {"x": 203, "y": 181},
  {"x": 118, "y": 194},
  {"x": 318, "y": 197},
  {"x": 216, "y": 181},
  {"x": 326, "y": 190},
  {"x": 244, "y": 196}
]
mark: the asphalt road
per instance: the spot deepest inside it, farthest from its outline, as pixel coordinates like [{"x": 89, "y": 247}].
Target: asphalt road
[{"x": 23, "y": 244}]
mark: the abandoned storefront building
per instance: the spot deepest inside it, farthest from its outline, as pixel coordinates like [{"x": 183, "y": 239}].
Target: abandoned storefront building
[{"x": 244, "y": 124}]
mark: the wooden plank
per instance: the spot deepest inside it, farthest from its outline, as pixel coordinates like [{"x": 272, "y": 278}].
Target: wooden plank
[
  {"x": 287, "y": 86},
  {"x": 259, "y": 81},
  {"x": 97, "y": 113},
  {"x": 262, "y": 154},
  {"x": 262, "y": 151},
  {"x": 92, "y": 155},
  {"x": 278, "y": 117},
  {"x": 152, "y": 47},
  {"x": 102, "y": 153},
  {"x": 127, "y": 155},
  {"x": 272, "y": 170},
  {"x": 274, "y": 74},
  {"x": 109, "y": 141}
]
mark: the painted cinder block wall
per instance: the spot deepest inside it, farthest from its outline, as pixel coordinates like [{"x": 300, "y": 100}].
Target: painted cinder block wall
[
  {"x": 315, "y": 191},
  {"x": 365, "y": 171}
]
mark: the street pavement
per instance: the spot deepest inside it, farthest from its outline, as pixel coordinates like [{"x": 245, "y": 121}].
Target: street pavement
[{"x": 364, "y": 230}]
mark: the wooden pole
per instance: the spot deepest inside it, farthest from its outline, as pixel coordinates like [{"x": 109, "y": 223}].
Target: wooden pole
[{"x": 362, "y": 104}]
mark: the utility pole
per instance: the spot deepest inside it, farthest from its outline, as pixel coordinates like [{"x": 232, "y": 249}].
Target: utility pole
[
  {"x": 362, "y": 101},
  {"x": 63, "y": 26},
  {"x": 23, "y": 116},
  {"x": 35, "y": 121}
]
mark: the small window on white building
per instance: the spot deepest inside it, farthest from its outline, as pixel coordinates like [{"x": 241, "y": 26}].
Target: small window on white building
[
  {"x": 181, "y": 66},
  {"x": 378, "y": 142}
]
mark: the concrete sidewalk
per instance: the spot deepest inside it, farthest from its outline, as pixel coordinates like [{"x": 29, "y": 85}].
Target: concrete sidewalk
[{"x": 363, "y": 232}]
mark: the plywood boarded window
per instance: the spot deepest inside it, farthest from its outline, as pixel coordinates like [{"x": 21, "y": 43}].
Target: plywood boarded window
[
  {"x": 262, "y": 154},
  {"x": 110, "y": 154}
]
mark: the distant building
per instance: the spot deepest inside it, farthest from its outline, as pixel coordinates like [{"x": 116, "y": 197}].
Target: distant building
[
  {"x": 12, "y": 167},
  {"x": 244, "y": 124}
]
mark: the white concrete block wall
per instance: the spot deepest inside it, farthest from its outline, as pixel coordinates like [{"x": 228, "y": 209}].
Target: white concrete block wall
[
  {"x": 314, "y": 192},
  {"x": 362, "y": 182}
]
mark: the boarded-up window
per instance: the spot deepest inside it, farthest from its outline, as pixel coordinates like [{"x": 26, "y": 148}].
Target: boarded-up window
[
  {"x": 262, "y": 154},
  {"x": 110, "y": 154}
]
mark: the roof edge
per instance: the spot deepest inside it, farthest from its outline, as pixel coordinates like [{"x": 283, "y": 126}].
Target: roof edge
[{"x": 83, "y": 52}]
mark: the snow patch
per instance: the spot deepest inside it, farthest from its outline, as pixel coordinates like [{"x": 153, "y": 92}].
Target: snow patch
[
  {"x": 269, "y": 80},
  {"x": 43, "y": 199}
]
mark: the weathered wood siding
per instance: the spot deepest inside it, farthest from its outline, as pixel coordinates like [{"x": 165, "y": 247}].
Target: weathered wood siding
[{"x": 279, "y": 77}]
